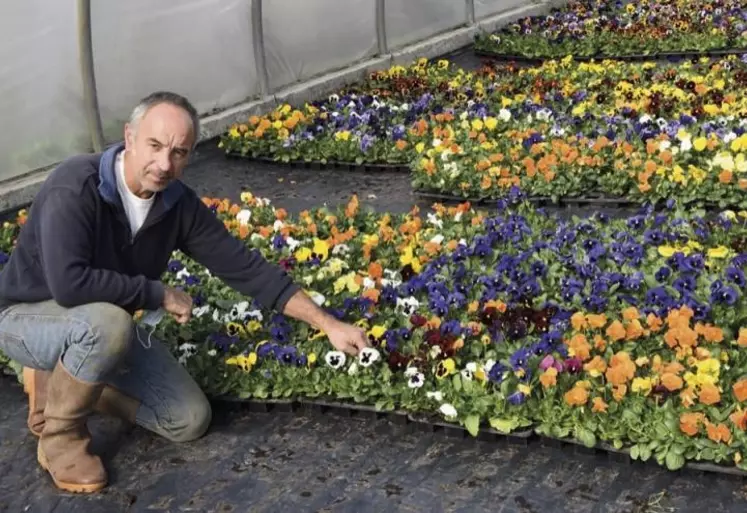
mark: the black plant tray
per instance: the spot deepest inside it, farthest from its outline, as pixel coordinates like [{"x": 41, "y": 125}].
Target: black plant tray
[
  {"x": 598, "y": 57},
  {"x": 430, "y": 423},
  {"x": 370, "y": 167},
  {"x": 568, "y": 202},
  {"x": 623, "y": 456},
  {"x": 433, "y": 424},
  {"x": 538, "y": 200}
]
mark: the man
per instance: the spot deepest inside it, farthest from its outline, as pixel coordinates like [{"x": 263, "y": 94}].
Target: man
[{"x": 98, "y": 237}]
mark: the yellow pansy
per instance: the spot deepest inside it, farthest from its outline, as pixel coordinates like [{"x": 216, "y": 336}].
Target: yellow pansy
[
  {"x": 642, "y": 385},
  {"x": 343, "y": 135},
  {"x": 491, "y": 123},
  {"x": 700, "y": 144},
  {"x": 666, "y": 251},
  {"x": 377, "y": 332},
  {"x": 346, "y": 282},
  {"x": 321, "y": 249},
  {"x": 718, "y": 252},
  {"x": 253, "y": 325},
  {"x": 420, "y": 147},
  {"x": 302, "y": 254},
  {"x": 407, "y": 257},
  {"x": 244, "y": 362}
]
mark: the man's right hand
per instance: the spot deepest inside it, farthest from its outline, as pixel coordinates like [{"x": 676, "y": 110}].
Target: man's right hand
[{"x": 177, "y": 303}]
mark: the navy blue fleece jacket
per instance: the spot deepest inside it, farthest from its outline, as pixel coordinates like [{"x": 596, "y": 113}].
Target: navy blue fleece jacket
[{"x": 77, "y": 248}]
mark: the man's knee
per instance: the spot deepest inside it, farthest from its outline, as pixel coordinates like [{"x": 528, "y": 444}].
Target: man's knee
[
  {"x": 190, "y": 420},
  {"x": 111, "y": 327}
]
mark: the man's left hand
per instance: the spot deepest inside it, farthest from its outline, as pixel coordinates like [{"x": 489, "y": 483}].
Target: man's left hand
[{"x": 346, "y": 337}]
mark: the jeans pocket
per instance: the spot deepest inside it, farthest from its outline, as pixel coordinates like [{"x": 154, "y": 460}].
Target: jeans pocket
[{"x": 15, "y": 348}]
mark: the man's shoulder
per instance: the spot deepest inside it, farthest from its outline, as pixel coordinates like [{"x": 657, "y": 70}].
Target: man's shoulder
[{"x": 74, "y": 173}]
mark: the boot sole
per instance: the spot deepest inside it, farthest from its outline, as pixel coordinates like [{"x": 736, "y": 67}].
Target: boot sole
[{"x": 68, "y": 487}]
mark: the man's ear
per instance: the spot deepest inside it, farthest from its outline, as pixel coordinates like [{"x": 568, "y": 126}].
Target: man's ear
[{"x": 129, "y": 137}]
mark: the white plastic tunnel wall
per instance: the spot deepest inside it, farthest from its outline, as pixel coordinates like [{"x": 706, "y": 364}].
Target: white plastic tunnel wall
[
  {"x": 203, "y": 49},
  {"x": 199, "y": 48},
  {"x": 306, "y": 38},
  {"x": 484, "y": 8},
  {"x": 41, "y": 93}
]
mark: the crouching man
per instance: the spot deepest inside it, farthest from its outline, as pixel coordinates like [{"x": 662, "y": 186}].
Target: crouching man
[{"x": 97, "y": 239}]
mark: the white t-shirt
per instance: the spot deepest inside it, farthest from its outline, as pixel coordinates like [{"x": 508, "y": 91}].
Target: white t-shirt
[{"x": 136, "y": 208}]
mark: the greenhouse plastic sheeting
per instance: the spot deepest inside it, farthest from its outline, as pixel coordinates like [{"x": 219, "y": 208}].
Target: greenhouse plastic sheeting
[
  {"x": 41, "y": 93},
  {"x": 307, "y": 38},
  {"x": 199, "y": 48},
  {"x": 485, "y": 8},
  {"x": 408, "y": 21}
]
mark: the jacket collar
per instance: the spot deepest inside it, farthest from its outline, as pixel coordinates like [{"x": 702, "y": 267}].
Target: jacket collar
[{"x": 108, "y": 181}]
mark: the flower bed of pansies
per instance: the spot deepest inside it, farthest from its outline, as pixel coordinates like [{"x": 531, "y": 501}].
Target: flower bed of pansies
[
  {"x": 600, "y": 28},
  {"x": 624, "y": 331},
  {"x": 643, "y": 132}
]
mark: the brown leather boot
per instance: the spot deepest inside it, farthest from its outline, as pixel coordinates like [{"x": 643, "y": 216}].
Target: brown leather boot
[
  {"x": 64, "y": 442},
  {"x": 112, "y": 401}
]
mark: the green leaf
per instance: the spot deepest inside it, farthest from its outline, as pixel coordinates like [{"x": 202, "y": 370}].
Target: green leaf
[
  {"x": 645, "y": 453},
  {"x": 586, "y": 437},
  {"x": 674, "y": 460},
  {"x": 503, "y": 425},
  {"x": 635, "y": 452},
  {"x": 457, "y": 382},
  {"x": 472, "y": 423}
]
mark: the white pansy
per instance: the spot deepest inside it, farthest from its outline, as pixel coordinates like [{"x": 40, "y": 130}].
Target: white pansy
[
  {"x": 436, "y": 142},
  {"x": 489, "y": 365},
  {"x": 187, "y": 351},
  {"x": 411, "y": 371},
  {"x": 407, "y": 305},
  {"x": 437, "y": 396},
  {"x": 216, "y": 315},
  {"x": 278, "y": 225},
  {"x": 438, "y": 239},
  {"x": 447, "y": 410},
  {"x": 644, "y": 119},
  {"x": 254, "y": 314},
  {"x": 317, "y": 298},
  {"x": 334, "y": 98},
  {"x": 244, "y": 216},
  {"x": 730, "y": 137},
  {"x": 182, "y": 274},
  {"x": 368, "y": 283},
  {"x": 458, "y": 216},
  {"x": 686, "y": 145},
  {"x": 416, "y": 381},
  {"x": 504, "y": 114},
  {"x": 435, "y": 220},
  {"x": 335, "y": 359},
  {"x": 292, "y": 243},
  {"x": 368, "y": 356},
  {"x": 557, "y": 131},
  {"x": 212, "y": 352},
  {"x": 463, "y": 242},
  {"x": 664, "y": 145},
  {"x": 341, "y": 249},
  {"x": 200, "y": 311},
  {"x": 434, "y": 352},
  {"x": 471, "y": 366},
  {"x": 467, "y": 374},
  {"x": 544, "y": 114},
  {"x": 405, "y": 106}
]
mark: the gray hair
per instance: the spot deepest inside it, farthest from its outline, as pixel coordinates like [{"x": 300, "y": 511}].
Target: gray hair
[{"x": 153, "y": 99}]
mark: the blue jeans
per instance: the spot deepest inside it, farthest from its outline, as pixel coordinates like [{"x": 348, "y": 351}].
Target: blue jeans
[{"x": 98, "y": 343}]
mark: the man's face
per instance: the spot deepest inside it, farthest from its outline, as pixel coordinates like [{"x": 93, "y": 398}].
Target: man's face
[{"x": 158, "y": 149}]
